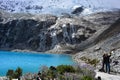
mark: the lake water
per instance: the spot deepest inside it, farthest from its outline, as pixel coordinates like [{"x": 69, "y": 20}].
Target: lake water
[{"x": 30, "y": 62}]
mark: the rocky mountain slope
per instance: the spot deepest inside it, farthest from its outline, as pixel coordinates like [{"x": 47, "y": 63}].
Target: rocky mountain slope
[
  {"x": 107, "y": 41},
  {"x": 51, "y": 33}
]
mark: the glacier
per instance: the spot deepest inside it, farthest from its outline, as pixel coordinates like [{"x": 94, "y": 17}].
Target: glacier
[{"x": 57, "y": 6}]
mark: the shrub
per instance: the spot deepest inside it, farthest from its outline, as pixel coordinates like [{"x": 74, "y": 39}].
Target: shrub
[
  {"x": 43, "y": 71},
  {"x": 90, "y": 61},
  {"x": 52, "y": 74},
  {"x": 65, "y": 68},
  {"x": 14, "y": 74},
  {"x": 94, "y": 62},
  {"x": 86, "y": 78},
  {"x": 52, "y": 68},
  {"x": 10, "y": 73},
  {"x": 18, "y": 73}
]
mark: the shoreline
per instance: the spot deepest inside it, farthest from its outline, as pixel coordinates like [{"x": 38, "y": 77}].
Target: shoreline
[
  {"x": 29, "y": 51},
  {"x": 35, "y": 52},
  {"x": 47, "y": 52}
]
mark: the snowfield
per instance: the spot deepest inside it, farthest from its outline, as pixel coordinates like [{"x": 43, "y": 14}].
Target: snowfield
[{"x": 57, "y": 6}]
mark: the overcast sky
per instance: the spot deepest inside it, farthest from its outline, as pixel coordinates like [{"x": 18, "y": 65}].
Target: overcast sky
[
  {"x": 95, "y": 3},
  {"x": 100, "y": 3}
]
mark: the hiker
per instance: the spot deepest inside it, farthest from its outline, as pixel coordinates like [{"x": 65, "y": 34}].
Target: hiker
[
  {"x": 107, "y": 62},
  {"x": 103, "y": 63}
]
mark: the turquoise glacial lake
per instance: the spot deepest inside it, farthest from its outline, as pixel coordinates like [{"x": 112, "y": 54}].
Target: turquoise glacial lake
[{"x": 31, "y": 62}]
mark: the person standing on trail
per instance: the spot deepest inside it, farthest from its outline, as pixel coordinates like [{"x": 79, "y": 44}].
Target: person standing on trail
[
  {"x": 107, "y": 62},
  {"x": 103, "y": 63}
]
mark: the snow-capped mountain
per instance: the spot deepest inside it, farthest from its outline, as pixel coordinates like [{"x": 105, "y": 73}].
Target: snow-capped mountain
[{"x": 57, "y": 6}]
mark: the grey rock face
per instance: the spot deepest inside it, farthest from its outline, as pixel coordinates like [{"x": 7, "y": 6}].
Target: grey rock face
[
  {"x": 39, "y": 32},
  {"x": 23, "y": 31},
  {"x": 46, "y": 32},
  {"x": 103, "y": 22},
  {"x": 78, "y": 10}
]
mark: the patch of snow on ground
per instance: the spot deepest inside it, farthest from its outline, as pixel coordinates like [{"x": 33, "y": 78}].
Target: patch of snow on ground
[{"x": 106, "y": 76}]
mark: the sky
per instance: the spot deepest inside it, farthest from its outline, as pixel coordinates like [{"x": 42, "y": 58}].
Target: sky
[{"x": 97, "y": 3}]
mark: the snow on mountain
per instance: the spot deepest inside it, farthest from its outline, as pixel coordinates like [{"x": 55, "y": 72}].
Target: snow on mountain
[{"x": 57, "y": 6}]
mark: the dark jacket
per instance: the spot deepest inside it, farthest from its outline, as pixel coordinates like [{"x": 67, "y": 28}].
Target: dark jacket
[{"x": 106, "y": 59}]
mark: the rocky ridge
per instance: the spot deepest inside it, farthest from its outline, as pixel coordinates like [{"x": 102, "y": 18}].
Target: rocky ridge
[{"x": 106, "y": 42}]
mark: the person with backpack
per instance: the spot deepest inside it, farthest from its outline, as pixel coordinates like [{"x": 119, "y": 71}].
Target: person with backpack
[
  {"x": 103, "y": 63},
  {"x": 107, "y": 62}
]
